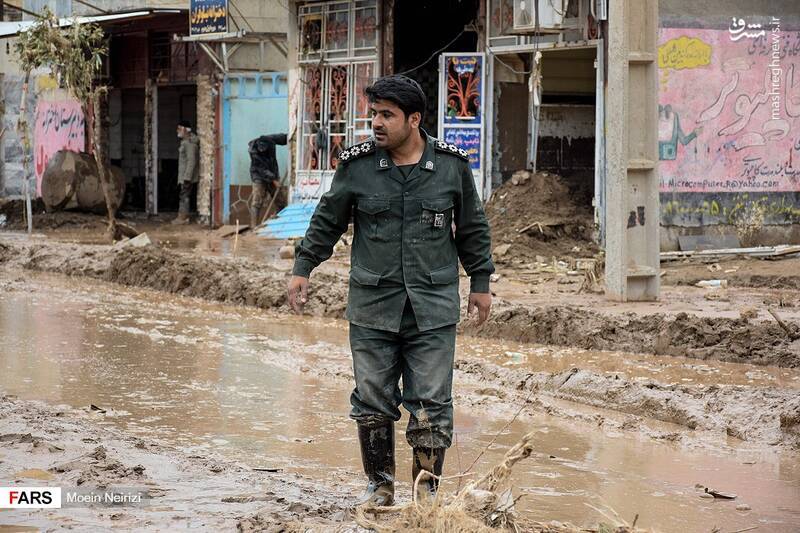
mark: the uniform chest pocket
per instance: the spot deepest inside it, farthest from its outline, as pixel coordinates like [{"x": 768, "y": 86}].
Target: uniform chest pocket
[
  {"x": 436, "y": 217},
  {"x": 374, "y": 219}
]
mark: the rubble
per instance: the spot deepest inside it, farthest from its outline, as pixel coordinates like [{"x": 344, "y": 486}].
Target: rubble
[{"x": 534, "y": 214}]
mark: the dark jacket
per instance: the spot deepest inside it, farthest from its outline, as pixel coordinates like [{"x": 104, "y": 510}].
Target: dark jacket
[
  {"x": 404, "y": 243},
  {"x": 263, "y": 161},
  {"x": 188, "y": 159}
]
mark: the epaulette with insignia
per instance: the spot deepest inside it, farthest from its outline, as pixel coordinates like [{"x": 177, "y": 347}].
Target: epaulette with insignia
[
  {"x": 451, "y": 149},
  {"x": 357, "y": 150}
]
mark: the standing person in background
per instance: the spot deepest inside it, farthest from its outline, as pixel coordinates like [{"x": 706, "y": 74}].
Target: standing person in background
[
  {"x": 188, "y": 169},
  {"x": 264, "y": 173}
]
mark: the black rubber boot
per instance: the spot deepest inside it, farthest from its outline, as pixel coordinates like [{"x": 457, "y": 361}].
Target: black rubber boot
[
  {"x": 432, "y": 460},
  {"x": 377, "y": 454}
]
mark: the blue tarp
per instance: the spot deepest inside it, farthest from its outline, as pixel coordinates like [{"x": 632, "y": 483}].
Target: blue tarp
[{"x": 292, "y": 221}]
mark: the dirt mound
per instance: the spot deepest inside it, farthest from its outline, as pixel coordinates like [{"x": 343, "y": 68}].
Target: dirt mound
[
  {"x": 231, "y": 281},
  {"x": 535, "y": 214},
  {"x": 236, "y": 281},
  {"x": 723, "y": 339},
  {"x": 14, "y": 212}
]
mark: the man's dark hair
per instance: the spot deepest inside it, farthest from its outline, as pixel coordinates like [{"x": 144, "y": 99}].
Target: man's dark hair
[
  {"x": 401, "y": 90},
  {"x": 185, "y": 124}
]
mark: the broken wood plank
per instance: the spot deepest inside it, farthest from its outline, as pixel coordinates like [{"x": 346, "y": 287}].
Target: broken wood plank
[
  {"x": 762, "y": 252},
  {"x": 529, "y": 226},
  {"x": 791, "y": 332},
  {"x": 229, "y": 229}
]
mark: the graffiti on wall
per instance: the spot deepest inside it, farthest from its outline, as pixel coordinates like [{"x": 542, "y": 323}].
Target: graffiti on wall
[
  {"x": 729, "y": 109},
  {"x": 58, "y": 126},
  {"x": 693, "y": 209}
]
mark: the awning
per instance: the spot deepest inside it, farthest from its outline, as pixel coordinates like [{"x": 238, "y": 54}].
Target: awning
[{"x": 12, "y": 29}]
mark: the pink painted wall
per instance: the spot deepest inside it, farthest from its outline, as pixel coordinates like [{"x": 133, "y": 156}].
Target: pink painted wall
[
  {"x": 729, "y": 113},
  {"x": 59, "y": 125}
]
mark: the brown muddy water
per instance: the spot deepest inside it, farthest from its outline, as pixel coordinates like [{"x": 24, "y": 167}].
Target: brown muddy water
[{"x": 247, "y": 385}]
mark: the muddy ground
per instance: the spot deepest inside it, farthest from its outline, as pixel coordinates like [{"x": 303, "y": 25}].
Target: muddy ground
[
  {"x": 198, "y": 382},
  {"x": 757, "y": 414},
  {"x": 68, "y": 447},
  {"x": 247, "y": 282}
]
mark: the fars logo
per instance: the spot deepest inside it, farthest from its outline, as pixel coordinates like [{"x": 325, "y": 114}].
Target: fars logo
[{"x": 30, "y": 497}]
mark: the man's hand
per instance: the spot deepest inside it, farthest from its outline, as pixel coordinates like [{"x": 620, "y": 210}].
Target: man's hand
[
  {"x": 298, "y": 293},
  {"x": 481, "y": 301}
]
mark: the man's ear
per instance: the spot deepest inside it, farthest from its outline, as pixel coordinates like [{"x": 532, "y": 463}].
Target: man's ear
[{"x": 415, "y": 119}]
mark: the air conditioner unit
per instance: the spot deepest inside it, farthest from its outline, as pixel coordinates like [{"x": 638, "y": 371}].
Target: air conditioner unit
[{"x": 551, "y": 15}]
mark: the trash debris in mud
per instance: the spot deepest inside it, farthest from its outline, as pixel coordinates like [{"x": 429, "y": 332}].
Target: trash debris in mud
[
  {"x": 715, "y": 493},
  {"x": 137, "y": 242},
  {"x": 535, "y": 214},
  {"x": 792, "y": 331},
  {"x": 712, "y": 283},
  {"x": 484, "y": 505}
]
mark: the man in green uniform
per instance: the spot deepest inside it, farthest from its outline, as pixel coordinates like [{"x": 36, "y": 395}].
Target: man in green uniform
[{"x": 416, "y": 213}]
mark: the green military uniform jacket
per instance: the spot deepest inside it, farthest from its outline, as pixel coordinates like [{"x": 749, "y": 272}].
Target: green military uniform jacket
[{"x": 409, "y": 234}]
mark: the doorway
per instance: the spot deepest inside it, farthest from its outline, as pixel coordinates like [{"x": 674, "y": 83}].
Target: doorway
[{"x": 424, "y": 26}]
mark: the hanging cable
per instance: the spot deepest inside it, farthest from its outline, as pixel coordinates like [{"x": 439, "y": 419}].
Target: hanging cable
[{"x": 509, "y": 67}]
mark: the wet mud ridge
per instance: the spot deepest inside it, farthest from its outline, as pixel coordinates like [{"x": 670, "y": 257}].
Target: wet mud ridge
[
  {"x": 754, "y": 414},
  {"x": 722, "y": 339},
  {"x": 245, "y": 282}
]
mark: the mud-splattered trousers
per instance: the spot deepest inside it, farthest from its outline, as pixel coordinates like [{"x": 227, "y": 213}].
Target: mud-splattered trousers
[
  {"x": 409, "y": 235},
  {"x": 424, "y": 360}
]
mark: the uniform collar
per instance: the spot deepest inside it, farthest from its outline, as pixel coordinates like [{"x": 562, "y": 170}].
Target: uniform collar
[{"x": 383, "y": 160}]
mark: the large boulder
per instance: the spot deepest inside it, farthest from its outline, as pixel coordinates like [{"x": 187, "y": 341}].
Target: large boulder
[{"x": 71, "y": 181}]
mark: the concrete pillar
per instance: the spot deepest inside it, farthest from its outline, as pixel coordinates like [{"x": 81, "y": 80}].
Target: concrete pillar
[
  {"x": 631, "y": 120},
  {"x": 208, "y": 137},
  {"x": 151, "y": 147}
]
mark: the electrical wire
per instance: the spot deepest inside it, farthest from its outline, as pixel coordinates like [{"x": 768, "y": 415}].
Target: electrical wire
[
  {"x": 470, "y": 26},
  {"x": 24, "y": 11},
  {"x": 87, "y": 4},
  {"x": 509, "y": 67},
  {"x": 234, "y": 6}
]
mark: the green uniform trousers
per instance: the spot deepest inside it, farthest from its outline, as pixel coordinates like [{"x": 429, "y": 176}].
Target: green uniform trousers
[{"x": 424, "y": 359}]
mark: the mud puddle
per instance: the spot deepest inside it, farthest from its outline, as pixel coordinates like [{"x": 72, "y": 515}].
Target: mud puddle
[{"x": 245, "y": 385}]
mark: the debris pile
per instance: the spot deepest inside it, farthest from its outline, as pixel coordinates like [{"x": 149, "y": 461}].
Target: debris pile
[
  {"x": 535, "y": 215},
  {"x": 484, "y": 505}
]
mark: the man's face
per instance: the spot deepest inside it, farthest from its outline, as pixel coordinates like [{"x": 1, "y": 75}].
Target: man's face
[
  {"x": 181, "y": 132},
  {"x": 390, "y": 126}
]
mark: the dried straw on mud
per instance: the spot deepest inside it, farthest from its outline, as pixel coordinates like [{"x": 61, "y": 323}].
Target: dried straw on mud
[{"x": 482, "y": 506}]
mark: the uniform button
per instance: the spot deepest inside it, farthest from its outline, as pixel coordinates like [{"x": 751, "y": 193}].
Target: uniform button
[
  {"x": 413, "y": 241},
  {"x": 405, "y": 193}
]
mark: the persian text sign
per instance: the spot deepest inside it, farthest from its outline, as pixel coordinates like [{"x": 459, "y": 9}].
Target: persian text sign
[
  {"x": 58, "y": 126},
  {"x": 468, "y": 139},
  {"x": 207, "y": 17},
  {"x": 729, "y": 108}
]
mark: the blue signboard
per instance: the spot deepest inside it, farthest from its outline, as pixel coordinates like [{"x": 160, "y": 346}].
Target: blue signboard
[
  {"x": 468, "y": 139},
  {"x": 464, "y": 88},
  {"x": 207, "y": 17}
]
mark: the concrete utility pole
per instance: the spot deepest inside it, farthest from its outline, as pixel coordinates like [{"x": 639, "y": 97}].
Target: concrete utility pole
[{"x": 631, "y": 121}]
